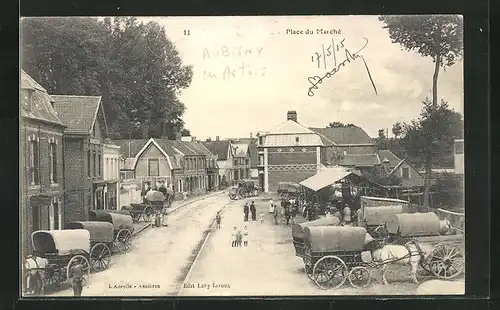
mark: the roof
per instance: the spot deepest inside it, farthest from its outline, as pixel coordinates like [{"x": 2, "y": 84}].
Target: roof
[
  {"x": 325, "y": 177},
  {"x": 239, "y": 149},
  {"x": 130, "y": 147},
  {"x": 219, "y": 148},
  {"x": 197, "y": 148},
  {"x": 78, "y": 113},
  {"x": 182, "y": 147},
  {"x": 289, "y": 127},
  {"x": 41, "y": 107},
  {"x": 359, "y": 160},
  {"x": 345, "y": 135},
  {"x": 387, "y": 154}
]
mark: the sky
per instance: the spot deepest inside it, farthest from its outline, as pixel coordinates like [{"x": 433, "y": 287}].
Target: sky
[{"x": 249, "y": 71}]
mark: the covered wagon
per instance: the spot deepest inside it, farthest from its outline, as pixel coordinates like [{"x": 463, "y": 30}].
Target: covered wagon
[
  {"x": 101, "y": 242},
  {"x": 334, "y": 253},
  {"x": 374, "y": 219},
  {"x": 56, "y": 254},
  {"x": 245, "y": 188},
  {"x": 298, "y": 232},
  {"x": 122, "y": 228}
]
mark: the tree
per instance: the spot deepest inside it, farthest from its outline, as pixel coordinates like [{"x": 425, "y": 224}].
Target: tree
[
  {"x": 432, "y": 135},
  {"x": 437, "y": 36},
  {"x": 340, "y": 125},
  {"x": 381, "y": 133},
  {"x": 185, "y": 133},
  {"x": 132, "y": 65},
  {"x": 397, "y": 129}
]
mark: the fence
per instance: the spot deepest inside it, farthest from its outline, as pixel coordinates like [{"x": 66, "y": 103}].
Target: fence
[{"x": 457, "y": 219}]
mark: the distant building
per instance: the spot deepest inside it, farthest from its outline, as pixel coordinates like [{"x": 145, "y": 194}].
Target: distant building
[
  {"x": 221, "y": 149},
  {"x": 83, "y": 154},
  {"x": 41, "y": 177},
  {"x": 111, "y": 172},
  {"x": 241, "y": 161},
  {"x": 458, "y": 155}
]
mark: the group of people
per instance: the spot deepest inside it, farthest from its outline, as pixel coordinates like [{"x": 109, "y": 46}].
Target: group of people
[
  {"x": 344, "y": 217},
  {"x": 251, "y": 209},
  {"x": 239, "y": 237},
  {"x": 288, "y": 209}
]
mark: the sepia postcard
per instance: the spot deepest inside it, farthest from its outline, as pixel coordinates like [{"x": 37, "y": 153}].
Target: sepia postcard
[{"x": 242, "y": 156}]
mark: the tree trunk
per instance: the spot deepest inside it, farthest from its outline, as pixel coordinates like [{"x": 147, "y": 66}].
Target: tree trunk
[
  {"x": 437, "y": 62},
  {"x": 428, "y": 170}
]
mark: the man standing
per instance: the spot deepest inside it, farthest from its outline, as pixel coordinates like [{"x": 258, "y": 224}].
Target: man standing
[
  {"x": 246, "y": 210},
  {"x": 254, "y": 211},
  {"x": 275, "y": 214},
  {"x": 347, "y": 215}
]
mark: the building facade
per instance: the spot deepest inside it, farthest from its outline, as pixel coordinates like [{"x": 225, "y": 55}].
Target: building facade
[
  {"x": 221, "y": 149},
  {"x": 83, "y": 153},
  {"x": 241, "y": 161},
  {"x": 111, "y": 173},
  {"x": 288, "y": 153},
  {"x": 41, "y": 162}
]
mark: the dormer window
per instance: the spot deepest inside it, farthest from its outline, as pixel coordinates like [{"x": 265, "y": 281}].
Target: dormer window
[
  {"x": 297, "y": 139},
  {"x": 26, "y": 97}
]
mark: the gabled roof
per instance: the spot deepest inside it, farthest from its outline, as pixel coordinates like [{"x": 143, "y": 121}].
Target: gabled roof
[
  {"x": 325, "y": 177},
  {"x": 219, "y": 148},
  {"x": 41, "y": 108},
  {"x": 203, "y": 150},
  {"x": 130, "y": 147},
  {"x": 79, "y": 113},
  {"x": 145, "y": 147},
  {"x": 359, "y": 160},
  {"x": 182, "y": 147},
  {"x": 290, "y": 127},
  {"x": 239, "y": 149},
  {"x": 345, "y": 135},
  {"x": 390, "y": 156}
]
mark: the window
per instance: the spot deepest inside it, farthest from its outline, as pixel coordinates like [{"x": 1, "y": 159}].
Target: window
[
  {"x": 153, "y": 167},
  {"x": 297, "y": 139},
  {"x": 261, "y": 160},
  {"x": 94, "y": 163},
  {"x": 35, "y": 211},
  {"x": 57, "y": 216},
  {"x": 260, "y": 140},
  {"x": 99, "y": 155},
  {"x": 89, "y": 173},
  {"x": 107, "y": 168},
  {"x": 26, "y": 98},
  {"x": 34, "y": 161},
  {"x": 406, "y": 172},
  {"x": 247, "y": 161},
  {"x": 122, "y": 175},
  {"x": 236, "y": 162},
  {"x": 459, "y": 147},
  {"x": 53, "y": 161}
]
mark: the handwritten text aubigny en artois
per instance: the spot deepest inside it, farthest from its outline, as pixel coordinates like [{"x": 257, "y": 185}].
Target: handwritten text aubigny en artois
[{"x": 231, "y": 72}]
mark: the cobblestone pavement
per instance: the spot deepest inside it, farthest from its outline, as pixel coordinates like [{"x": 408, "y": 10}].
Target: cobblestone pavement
[
  {"x": 158, "y": 256},
  {"x": 268, "y": 266}
]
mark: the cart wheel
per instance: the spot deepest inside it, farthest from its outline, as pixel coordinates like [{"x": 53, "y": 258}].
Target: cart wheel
[
  {"x": 330, "y": 272},
  {"x": 359, "y": 277},
  {"x": 100, "y": 256},
  {"x": 124, "y": 240},
  {"x": 309, "y": 271},
  {"x": 232, "y": 196},
  {"x": 147, "y": 213},
  {"x": 78, "y": 260},
  {"x": 446, "y": 261}
]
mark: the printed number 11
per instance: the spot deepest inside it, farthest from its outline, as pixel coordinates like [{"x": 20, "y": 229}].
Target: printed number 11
[{"x": 186, "y": 32}]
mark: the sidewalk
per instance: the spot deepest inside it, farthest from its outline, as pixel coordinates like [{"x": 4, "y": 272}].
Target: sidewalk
[{"x": 141, "y": 225}]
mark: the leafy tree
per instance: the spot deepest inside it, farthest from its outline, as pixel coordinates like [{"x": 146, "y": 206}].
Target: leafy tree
[
  {"x": 381, "y": 134},
  {"x": 431, "y": 136},
  {"x": 340, "y": 125},
  {"x": 397, "y": 129},
  {"x": 437, "y": 36},
  {"x": 185, "y": 133},
  {"x": 132, "y": 65}
]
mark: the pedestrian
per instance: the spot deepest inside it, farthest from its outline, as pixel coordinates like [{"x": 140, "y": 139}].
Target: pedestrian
[
  {"x": 234, "y": 236},
  {"x": 157, "y": 222},
  {"x": 218, "y": 219},
  {"x": 261, "y": 217},
  {"x": 287, "y": 215},
  {"x": 245, "y": 236},
  {"x": 254, "y": 211},
  {"x": 239, "y": 238},
  {"x": 275, "y": 215},
  {"x": 77, "y": 280},
  {"x": 293, "y": 213},
  {"x": 347, "y": 215},
  {"x": 246, "y": 209},
  {"x": 271, "y": 206}
]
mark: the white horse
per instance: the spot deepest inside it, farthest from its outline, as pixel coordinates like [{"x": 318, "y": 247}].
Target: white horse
[{"x": 409, "y": 254}]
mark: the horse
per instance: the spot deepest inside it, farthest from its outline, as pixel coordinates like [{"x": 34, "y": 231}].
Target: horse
[
  {"x": 411, "y": 254},
  {"x": 445, "y": 227}
]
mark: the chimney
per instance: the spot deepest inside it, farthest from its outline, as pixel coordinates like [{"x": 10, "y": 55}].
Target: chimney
[
  {"x": 217, "y": 138},
  {"x": 251, "y": 136},
  {"x": 291, "y": 116},
  {"x": 193, "y": 138}
]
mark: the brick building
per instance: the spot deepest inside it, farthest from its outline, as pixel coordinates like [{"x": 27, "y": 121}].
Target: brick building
[
  {"x": 83, "y": 152},
  {"x": 290, "y": 152},
  {"x": 41, "y": 178}
]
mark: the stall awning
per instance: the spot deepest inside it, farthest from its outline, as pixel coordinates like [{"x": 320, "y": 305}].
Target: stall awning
[{"x": 325, "y": 177}]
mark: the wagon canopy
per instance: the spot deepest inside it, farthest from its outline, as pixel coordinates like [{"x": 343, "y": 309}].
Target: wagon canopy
[
  {"x": 119, "y": 221},
  {"x": 379, "y": 215},
  {"x": 288, "y": 186},
  {"x": 155, "y": 196},
  {"x": 99, "y": 231},
  {"x": 60, "y": 241},
  {"x": 246, "y": 183},
  {"x": 414, "y": 224},
  {"x": 298, "y": 229},
  {"x": 335, "y": 238}
]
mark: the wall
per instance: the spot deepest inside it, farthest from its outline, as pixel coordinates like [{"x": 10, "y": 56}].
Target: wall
[
  {"x": 44, "y": 132},
  {"x": 152, "y": 152},
  {"x": 289, "y": 157},
  {"x": 287, "y": 176}
]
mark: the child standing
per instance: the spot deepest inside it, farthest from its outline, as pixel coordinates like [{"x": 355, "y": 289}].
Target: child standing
[
  {"x": 245, "y": 236},
  {"x": 238, "y": 238},
  {"x": 218, "y": 219},
  {"x": 261, "y": 217},
  {"x": 234, "y": 236}
]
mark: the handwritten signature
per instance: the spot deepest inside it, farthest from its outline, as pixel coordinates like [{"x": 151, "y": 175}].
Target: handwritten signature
[{"x": 315, "y": 80}]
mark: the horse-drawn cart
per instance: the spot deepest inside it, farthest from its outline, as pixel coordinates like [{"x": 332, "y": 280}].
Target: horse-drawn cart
[
  {"x": 122, "y": 228},
  {"x": 154, "y": 201},
  {"x": 245, "y": 188},
  {"x": 55, "y": 253},
  {"x": 101, "y": 242},
  {"x": 298, "y": 232},
  {"x": 374, "y": 219},
  {"x": 288, "y": 190}
]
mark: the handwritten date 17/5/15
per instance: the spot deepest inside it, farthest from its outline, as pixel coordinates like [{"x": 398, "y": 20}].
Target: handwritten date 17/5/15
[{"x": 349, "y": 57}]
